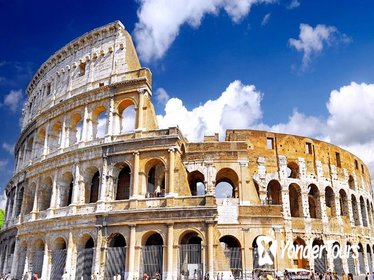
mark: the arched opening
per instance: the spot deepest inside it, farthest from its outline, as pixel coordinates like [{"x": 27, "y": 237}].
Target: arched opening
[
  {"x": 274, "y": 193},
  {"x": 314, "y": 202},
  {"x": 336, "y": 255},
  {"x": 153, "y": 256},
  {"x": 92, "y": 185},
  {"x": 75, "y": 133},
  {"x": 356, "y": 216},
  {"x": 38, "y": 257},
  {"x": 196, "y": 182},
  {"x": 29, "y": 198},
  {"x": 292, "y": 170},
  {"x": 300, "y": 261},
  {"x": 115, "y": 256},
  {"x": 320, "y": 262},
  {"x": 295, "y": 201},
  {"x": 123, "y": 183},
  {"x": 66, "y": 189},
  {"x": 351, "y": 182},
  {"x": 126, "y": 111},
  {"x": 58, "y": 258},
  {"x": 156, "y": 179},
  {"x": 350, "y": 259},
  {"x": 361, "y": 261},
  {"x": 85, "y": 258},
  {"x": 330, "y": 202},
  {"x": 363, "y": 212},
  {"x": 369, "y": 257},
  {"x": 370, "y": 217},
  {"x": 39, "y": 144},
  {"x": 233, "y": 255},
  {"x": 54, "y": 137},
  {"x": 19, "y": 200},
  {"x": 21, "y": 260},
  {"x": 227, "y": 183},
  {"x": 45, "y": 194},
  {"x": 99, "y": 122},
  {"x": 344, "y": 210},
  {"x": 190, "y": 255},
  {"x": 255, "y": 254}
]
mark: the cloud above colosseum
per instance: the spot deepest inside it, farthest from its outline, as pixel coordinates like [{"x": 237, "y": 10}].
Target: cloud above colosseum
[
  {"x": 160, "y": 21},
  {"x": 312, "y": 41}
]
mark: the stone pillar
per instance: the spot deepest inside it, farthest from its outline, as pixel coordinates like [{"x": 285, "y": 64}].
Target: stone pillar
[
  {"x": 171, "y": 171},
  {"x": 69, "y": 267},
  {"x": 104, "y": 176},
  {"x": 97, "y": 256},
  {"x": 139, "y": 123},
  {"x": 54, "y": 196},
  {"x": 110, "y": 117},
  {"x": 169, "y": 272},
  {"x": 210, "y": 241},
  {"x": 131, "y": 258},
  {"x": 45, "y": 262},
  {"x": 135, "y": 176},
  {"x": 63, "y": 134},
  {"x": 35, "y": 205},
  {"x": 15, "y": 259},
  {"x": 85, "y": 128},
  {"x": 45, "y": 147}
]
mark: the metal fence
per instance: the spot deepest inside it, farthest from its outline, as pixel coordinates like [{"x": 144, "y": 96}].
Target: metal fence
[
  {"x": 190, "y": 261},
  {"x": 58, "y": 263},
  {"x": 37, "y": 262},
  {"x": 320, "y": 263},
  {"x": 21, "y": 264},
  {"x": 152, "y": 256},
  {"x": 84, "y": 264},
  {"x": 234, "y": 254},
  {"x": 115, "y": 262}
]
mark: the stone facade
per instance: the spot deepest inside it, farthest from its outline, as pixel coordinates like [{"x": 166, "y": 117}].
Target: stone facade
[{"x": 98, "y": 189}]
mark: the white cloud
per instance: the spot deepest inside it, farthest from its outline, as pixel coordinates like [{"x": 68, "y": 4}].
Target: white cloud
[
  {"x": 265, "y": 20},
  {"x": 3, "y": 201},
  {"x": 294, "y": 4},
  {"x": 159, "y": 21},
  {"x": 13, "y": 100},
  {"x": 8, "y": 147},
  {"x": 237, "y": 107},
  {"x": 312, "y": 40},
  {"x": 162, "y": 96}
]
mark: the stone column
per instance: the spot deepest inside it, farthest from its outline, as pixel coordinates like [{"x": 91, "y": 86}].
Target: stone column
[
  {"x": 169, "y": 273},
  {"x": 135, "y": 176},
  {"x": 35, "y": 205},
  {"x": 54, "y": 196},
  {"x": 85, "y": 129},
  {"x": 131, "y": 258},
  {"x": 171, "y": 171},
  {"x": 69, "y": 267},
  {"x": 63, "y": 134},
  {"x": 210, "y": 241},
  {"x": 45, "y": 262},
  {"x": 97, "y": 256},
  {"x": 139, "y": 123},
  {"x": 45, "y": 148},
  {"x": 15, "y": 259},
  {"x": 110, "y": 117}
]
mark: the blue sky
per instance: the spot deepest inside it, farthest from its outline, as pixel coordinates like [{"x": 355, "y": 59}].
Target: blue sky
[{"x": 238, "y": 54}]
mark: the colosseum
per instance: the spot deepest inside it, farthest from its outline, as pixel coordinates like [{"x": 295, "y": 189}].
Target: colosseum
[{"x": 99, "y": 190}]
